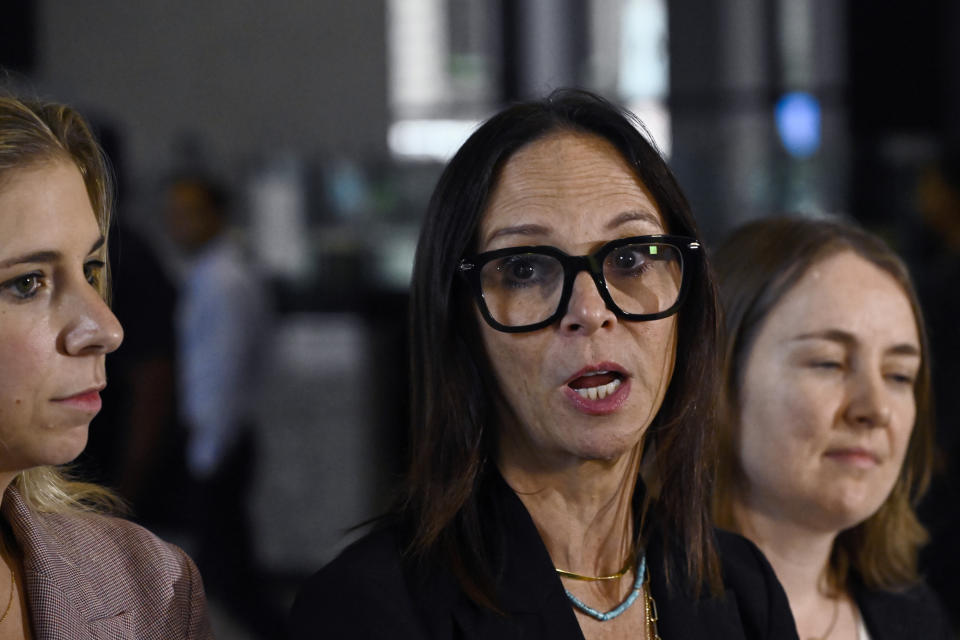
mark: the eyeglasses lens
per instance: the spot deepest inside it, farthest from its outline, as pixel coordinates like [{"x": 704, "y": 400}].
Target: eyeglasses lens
[
  {"x": 522, "y": 289},
  {"x": 644, "y": 278},
  {"x": 525, "y": 289}
]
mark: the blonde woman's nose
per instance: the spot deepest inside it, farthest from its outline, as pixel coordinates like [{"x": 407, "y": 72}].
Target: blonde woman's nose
[{"x": 91, "y": 328}]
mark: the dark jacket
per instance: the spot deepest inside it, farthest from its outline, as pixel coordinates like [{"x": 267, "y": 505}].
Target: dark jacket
[
  {"x": 902, "y": 615},
  {"x": 370, "y": 592}
]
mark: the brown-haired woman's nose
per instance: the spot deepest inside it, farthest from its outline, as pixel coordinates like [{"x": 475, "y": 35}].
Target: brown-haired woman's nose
[{"x": 868, "y": 404}]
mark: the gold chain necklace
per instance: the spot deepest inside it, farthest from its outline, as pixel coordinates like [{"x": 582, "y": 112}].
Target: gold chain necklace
[
  {"x": 651, "y": 615},
  {"x": 650, "y": 608},
  {"x": 563, "y": 573}
]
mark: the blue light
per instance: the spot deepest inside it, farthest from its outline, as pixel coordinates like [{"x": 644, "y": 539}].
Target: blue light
[{"x": 798, "y": 122}]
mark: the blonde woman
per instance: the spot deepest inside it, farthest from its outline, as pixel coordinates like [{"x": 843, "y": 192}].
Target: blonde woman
[
  {"x": 828, "y": 430},
  {"x": 67, "y": 570}
]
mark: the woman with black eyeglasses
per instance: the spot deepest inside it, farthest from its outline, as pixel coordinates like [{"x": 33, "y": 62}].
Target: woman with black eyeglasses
[{"x": 564, "y": 349}]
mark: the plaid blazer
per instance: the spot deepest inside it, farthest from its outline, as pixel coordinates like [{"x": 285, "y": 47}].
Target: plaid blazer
[{"x": 94, "y": 576}]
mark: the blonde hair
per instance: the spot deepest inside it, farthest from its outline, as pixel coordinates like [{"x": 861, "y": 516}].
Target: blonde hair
[
  {"x": 756, "y": 267},
  {"x": 33, "y": 133}
]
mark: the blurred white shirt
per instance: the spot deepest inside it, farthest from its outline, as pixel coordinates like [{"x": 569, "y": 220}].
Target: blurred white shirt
[{"x": 222, "y": 324}]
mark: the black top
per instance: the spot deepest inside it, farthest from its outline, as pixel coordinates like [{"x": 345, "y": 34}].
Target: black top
[
  {"x": 370, "y": 592},
  {"x": 903, "y": 615}
]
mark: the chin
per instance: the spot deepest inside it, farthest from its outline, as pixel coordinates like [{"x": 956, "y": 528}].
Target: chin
[
  {"x": 66, "y": 449},
  {"x": 859, "y": 502},
  {"x": 605, "y": 448},
  {"x": 842, "y": 515}
]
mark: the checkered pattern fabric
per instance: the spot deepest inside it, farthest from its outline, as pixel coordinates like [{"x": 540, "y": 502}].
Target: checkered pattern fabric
[{"x": 93, "y": 576}]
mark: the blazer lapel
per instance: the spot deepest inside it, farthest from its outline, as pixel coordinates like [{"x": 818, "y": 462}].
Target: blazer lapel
[
  {"x": 683, "y": 617},
  {"x": 63, "y": 603},
  {"x": 530, "y": 592},
  {"x": 680, "y": 616}
]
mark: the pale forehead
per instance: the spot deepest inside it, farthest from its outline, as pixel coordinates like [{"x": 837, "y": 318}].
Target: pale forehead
[
  {"x": 568, "y": 179},
  {"x": 45, "y": 202},
  {"x": 849, "y": 293}
]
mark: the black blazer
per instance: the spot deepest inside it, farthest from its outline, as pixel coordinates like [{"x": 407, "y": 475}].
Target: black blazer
[
  {"x": 903, "y": 615},
  {"x": 369, "y": 591}
]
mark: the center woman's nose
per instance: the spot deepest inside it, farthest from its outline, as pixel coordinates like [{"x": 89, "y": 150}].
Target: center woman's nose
[{"x": 586, "y": 311}]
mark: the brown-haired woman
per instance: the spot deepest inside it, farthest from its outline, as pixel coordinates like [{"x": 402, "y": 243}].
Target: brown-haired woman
[
  {"x": 827, "y": 434},
  {"x": 551, "y": 362},
  {"x": 67, "y": 570}
]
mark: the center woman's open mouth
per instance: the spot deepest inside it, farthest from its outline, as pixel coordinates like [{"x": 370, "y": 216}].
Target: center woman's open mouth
[
  {"x": 598, "y": 389},
  {"x": 597, "y": 385}
]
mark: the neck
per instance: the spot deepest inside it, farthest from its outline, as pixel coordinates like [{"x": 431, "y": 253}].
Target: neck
[
  {"x": 6, "y": 478},
  {"x": 799, "y": 555},
  {"x": 582, "y": 509}
]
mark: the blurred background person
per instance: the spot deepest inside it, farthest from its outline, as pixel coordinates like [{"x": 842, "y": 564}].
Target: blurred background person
[
  {"x": 827, "y": 436},
  {"x": 222, "y": 326},
  {"x": 68, "y": 569}
]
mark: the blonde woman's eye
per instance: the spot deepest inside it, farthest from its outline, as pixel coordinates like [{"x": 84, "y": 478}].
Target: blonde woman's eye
[
  {"x": 24, "y": 287},
  {"x": 93, "y": 271}
]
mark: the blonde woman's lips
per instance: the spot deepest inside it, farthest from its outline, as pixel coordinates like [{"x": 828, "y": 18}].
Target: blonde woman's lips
[{"x": 87, "y": 401}]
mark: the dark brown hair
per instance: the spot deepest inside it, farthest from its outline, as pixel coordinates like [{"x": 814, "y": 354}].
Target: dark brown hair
[
  {"x": 756, "y": 267},
  {"x": 453, "y": 434}
]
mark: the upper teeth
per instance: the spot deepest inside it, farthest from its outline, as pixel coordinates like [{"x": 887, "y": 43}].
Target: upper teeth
[{"x": 600, "y": 392}]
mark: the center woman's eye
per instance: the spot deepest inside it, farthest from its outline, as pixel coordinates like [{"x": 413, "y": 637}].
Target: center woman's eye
[
  {"x": 629, "y": 260},
  {"x": 522, "y": 270},
  {"x": 625, "y": 259}
]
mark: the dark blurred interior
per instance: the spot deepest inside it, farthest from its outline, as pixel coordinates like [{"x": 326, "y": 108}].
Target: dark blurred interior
[{"x": 330, "y": 121}]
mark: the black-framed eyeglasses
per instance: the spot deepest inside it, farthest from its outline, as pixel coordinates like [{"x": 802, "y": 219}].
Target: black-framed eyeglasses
[{"x": 528, "y": 288}]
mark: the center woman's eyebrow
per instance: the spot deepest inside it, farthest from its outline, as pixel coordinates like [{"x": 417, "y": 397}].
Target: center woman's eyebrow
[
  {"x": 630, "y": 216},
  {"x": 518, "y": 230},
  {"x": 45, "y": 255},
  {"x": 537, "y": 229}
]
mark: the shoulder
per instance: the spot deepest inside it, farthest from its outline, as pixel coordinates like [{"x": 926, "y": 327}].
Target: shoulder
[
  {"x": 749, "y": 580},
  {"x": 744, "y": 565},
  {"x": 752, "y": 606},
  {"x": 913, "y": 612},
  {"x": 114, "y": 543},
  {"x": 121, "y": 565},
  {"x": 363, "y": 592}
]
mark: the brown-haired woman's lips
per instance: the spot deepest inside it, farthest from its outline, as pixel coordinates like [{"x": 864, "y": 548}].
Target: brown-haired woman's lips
[{"x": 856, "y": 456}]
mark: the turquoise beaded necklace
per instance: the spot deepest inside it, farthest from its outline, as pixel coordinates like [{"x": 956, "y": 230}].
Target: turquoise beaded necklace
[{"x": 623, "y": 606}]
